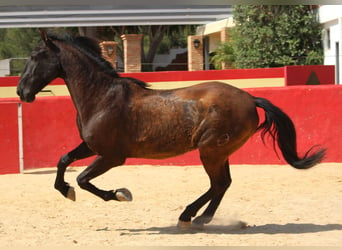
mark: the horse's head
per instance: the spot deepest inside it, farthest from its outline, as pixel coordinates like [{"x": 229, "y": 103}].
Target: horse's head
[{"x": 41, "y": 68}]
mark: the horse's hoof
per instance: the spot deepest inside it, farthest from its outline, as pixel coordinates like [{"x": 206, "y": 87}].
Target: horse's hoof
[
  {"x": 71, "y": 194},
  {"x": 123, "y": 194},
  {"x": 184, "y": 225}
]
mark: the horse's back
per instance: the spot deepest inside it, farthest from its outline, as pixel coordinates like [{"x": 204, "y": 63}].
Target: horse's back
[
  {"x": 215, "y": 92},
  {"x": 224, "y": 98}
]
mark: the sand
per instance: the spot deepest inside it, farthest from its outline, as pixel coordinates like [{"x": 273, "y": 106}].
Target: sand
[{"x": 281, "y": 206}]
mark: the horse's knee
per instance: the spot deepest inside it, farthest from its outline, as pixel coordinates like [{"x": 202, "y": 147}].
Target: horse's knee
[
  {"x": 222, "y": 186},
  {"x": 229, "y": 183},
  {"x": 64, "y": 161},
  {"x": 226, "y": 180},
  {"x": 81, "y": 181}
]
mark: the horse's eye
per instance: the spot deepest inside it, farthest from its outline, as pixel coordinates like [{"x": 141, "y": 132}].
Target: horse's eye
[{"x": 36, "y": 55}]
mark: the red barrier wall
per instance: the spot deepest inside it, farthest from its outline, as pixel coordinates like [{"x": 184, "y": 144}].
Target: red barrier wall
[
  {"x": 316, "y": 112},
  {"x": 167, "y": 76},
  {"x": 294, "y": 75},
  {"x": 50, "y": 129},
  {"x": 9, "y": 142},
  {"x": 207, "y": 75},
  {"x": 309, "y": 75}
]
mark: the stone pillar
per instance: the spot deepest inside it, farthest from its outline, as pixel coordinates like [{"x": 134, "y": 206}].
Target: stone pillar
[
  {"x": 109, "y": 49},
  {"x": 132, "y": 52},
  {"x": 195, "y": 53},
  {"x": 224, "y": 34}
]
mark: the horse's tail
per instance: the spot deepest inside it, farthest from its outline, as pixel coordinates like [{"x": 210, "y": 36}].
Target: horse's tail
[{"x": 282, "y": 130}]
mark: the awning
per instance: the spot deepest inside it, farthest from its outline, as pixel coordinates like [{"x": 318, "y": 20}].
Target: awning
[{"x": 66, "y": 13}]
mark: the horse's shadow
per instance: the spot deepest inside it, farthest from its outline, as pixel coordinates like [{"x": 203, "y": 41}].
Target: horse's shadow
[{"x": 290, "y": 228}]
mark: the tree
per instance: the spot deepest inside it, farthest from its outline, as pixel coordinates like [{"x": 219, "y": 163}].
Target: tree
[
  {"x": 17, "y": 42},
  {"x": 223, "y": 54},
  {"x": 276, "y": 35}
]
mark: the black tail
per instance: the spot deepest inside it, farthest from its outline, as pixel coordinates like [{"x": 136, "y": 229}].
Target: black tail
[{"x": 282, "y": 130}]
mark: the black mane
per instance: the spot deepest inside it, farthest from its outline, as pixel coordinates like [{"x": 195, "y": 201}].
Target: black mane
[{"x": 92, "y": 49}]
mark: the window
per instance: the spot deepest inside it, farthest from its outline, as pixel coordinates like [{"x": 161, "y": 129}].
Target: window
[{"x": 327, "y": 38}]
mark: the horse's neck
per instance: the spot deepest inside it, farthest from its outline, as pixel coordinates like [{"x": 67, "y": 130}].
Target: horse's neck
[{"x": 84, "y": 83}]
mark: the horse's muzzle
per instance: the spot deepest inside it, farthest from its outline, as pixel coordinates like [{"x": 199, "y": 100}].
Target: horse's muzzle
[
  {"x": 28, "y": 98},
  {"x": 25, "y": 97}
]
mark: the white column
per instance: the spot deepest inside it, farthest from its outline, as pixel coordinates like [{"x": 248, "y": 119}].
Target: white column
[
  {"x": 340, "y": 50},
  {"x": 20, "y": 137}
]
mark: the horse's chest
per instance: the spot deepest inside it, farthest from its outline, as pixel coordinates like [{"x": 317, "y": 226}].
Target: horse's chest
[{"x": 102, "y": 127}]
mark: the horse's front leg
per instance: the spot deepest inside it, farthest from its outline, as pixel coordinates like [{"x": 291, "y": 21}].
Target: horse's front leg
[
  {"x": 80, "y": 152},
  {"x": 99, "y": 166}
]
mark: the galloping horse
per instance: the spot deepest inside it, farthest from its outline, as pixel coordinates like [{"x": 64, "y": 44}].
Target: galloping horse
[{"x": 121, "y": 117}]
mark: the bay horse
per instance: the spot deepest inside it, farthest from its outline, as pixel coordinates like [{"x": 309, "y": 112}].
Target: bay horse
[{"x": 120, "y": 117}]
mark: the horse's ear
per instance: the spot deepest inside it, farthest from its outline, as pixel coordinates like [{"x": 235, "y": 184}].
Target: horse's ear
[
  {"x": 47, "y": 40},
  {"x": 44, "y": 35}
]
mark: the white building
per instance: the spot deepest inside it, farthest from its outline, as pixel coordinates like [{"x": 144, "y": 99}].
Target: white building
[
  {"x": 5, "y": 68},
  {"x": 331, "y": 18}
]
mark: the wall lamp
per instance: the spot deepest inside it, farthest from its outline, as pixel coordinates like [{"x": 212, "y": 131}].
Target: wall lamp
[
  {"x": 110, "y": 50},
  {"x": 197, "y": 43}
]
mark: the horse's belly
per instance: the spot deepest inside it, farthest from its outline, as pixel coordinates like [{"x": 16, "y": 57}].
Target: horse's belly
[
  {"x": 160, "y": 153},
  {"x": 159, "y": 142}
]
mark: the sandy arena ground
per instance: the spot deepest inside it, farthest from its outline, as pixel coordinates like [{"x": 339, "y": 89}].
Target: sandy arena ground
[{"x": 282, "y": 206}]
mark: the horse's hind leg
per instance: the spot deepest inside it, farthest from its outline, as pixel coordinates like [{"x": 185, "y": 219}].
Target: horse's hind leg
[
  {"x": 219, "y": 183},
  {"x": 99, "y": 166},
  {"x": 220, "y": 180},
  {"x": 80, "y": 152},
  {"x": 192, "y": 209}
]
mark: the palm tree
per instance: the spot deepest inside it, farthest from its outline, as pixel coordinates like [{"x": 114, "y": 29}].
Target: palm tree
[{"x": 223, "y": 57}]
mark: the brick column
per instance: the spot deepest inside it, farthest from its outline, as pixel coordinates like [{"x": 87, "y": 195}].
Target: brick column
[
  {"x": 132, "y": 52},
  {"x": 195, "y": 54},
  {"x": 224, "y": 34},
  {"x": 109, "y": 49}
]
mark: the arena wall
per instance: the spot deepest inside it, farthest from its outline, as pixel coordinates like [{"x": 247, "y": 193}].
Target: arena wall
[
  {"x": 9, "y": 141},
  {"x": 49, "y": 128},
  {"x": 241, "y": 78}
]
